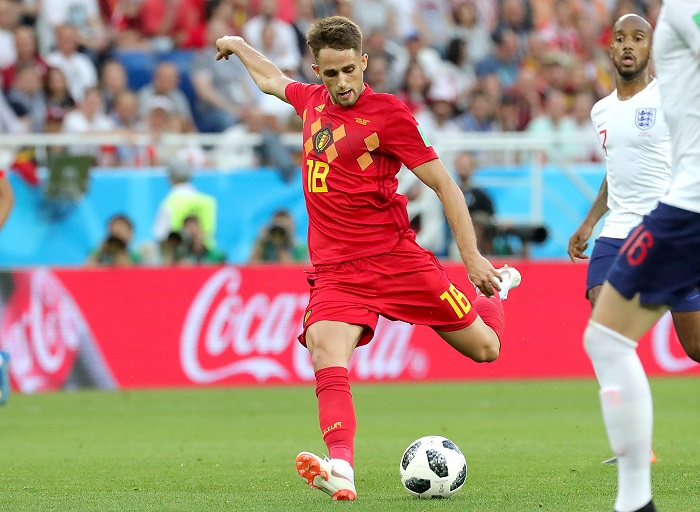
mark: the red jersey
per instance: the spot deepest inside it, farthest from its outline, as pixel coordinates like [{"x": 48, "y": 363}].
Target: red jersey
[{"x": 351, "y": 158}]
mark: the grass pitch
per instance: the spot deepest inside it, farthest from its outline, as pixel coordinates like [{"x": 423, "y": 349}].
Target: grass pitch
[{"x": 530, "y": 446}]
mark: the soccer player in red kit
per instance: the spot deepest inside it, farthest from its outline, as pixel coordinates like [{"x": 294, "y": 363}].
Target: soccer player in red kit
[{"x": 365, "y": 257}]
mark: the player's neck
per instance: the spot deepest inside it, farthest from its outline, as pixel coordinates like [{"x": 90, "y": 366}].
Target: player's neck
[{"x": 627, "y": 89}]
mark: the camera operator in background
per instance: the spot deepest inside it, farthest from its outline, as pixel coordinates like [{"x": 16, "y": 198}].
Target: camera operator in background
[
  {"x": 193, "y": 248},
  {"x": 114, "y": 249},
  {"x": 277, "y": 241}
]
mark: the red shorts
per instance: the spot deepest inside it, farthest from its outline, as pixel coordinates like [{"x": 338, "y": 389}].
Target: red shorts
[{"x": 408, "y": 284}]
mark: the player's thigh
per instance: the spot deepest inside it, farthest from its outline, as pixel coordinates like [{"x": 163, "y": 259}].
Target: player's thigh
[
  {"x": 687, "y": 324},
  {"x": 624, "y": 316},
  {"x": 331, "y": 343},
  {"x": 477, "y": 341}
]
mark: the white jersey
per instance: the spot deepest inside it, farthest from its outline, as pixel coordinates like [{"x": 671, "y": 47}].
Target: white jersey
[
  {"x": 677, "y": 59},
  {"x": 637, "y": 145}
]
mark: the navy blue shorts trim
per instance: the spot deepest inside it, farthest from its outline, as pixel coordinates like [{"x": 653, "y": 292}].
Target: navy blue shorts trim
[{"x": 660, "y": 259}]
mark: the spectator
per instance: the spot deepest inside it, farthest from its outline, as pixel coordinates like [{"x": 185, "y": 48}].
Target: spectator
[
  {"x": 159, "y": 25},
  {"x": 114, "y": 249},
  {"x": 376, "y": 74},
  {"x": 25, "y": 44},
  {"x": 376, "y": 16},
  {"x": 414, "y": 89},
  {"x": 439, "y": 117},
  {"x": 560, "y": 32},
  {"x": 504, "y": 61},
  {"x": 125, "y": 115},
  {"x": 83, "y": 15},
  {"x": 557, "y": 125},
  {"x": 417, "y": 50},
  {"x": 89, "y": 118},
  {"x": 457, "y": 64},
  {"x": 516, "y": 15},
  {"x": 59, "y": 100},
  {"x": 184, "y": 200},
  {"x": 77, "y": 66},
  {"x": 588, "y": 138},
  {"x": 113, "y": 82},
  {"x": 156, "y": 122},
  {"x": 26, "y": 97},
  {"x": 225, "y": 95},
  {"x": 466, "y": 27},
  {"x": 166, "y": 83},
  {"x": 480, "y": 204},
  {"x": 425, "y": 213},
  {"x": 284, "y": 33},
  {"x": 9, "y": 18},
  {"x": 481, "y": 115},
  {"x": 194, "y": 248},
  {"x": 9, "y": 122},
  {"x": 277, "y": 242}
]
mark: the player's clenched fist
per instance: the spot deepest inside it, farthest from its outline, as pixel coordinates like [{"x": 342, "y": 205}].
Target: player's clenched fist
[{"x": 225, "y": 46}]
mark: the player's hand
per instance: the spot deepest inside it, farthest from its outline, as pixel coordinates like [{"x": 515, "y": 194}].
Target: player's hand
[
  {"x": 225, "y": 46},
  {"x": 483, "y": 275},
  {"x": 579, "y": 243}
]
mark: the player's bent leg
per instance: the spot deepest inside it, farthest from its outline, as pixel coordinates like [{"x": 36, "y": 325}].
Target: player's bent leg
[
  {"x": 477, "y": 341},
  {"x": 687, "y": 324}
]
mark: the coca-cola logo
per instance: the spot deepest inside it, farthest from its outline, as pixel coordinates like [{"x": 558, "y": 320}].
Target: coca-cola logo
[
  {"x": 41, "y": 330},
  {"x": 663, "y": 342},
  {"x": 226, "y": 334}
]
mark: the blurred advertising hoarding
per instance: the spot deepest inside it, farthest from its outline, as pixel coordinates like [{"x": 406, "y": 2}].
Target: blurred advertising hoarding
[{"x": 203, "y": 326}]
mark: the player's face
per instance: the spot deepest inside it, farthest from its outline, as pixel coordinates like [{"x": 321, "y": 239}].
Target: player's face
[
  {"x": 631, "y": 48},
  {"x": 341, "y": 72}
]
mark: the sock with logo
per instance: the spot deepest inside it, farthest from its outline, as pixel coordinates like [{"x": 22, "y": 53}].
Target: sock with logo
[
  {"x": 627, "y": 411},
  {"x": 336, "y": 412},
  {"x": 490, "y": 310}
]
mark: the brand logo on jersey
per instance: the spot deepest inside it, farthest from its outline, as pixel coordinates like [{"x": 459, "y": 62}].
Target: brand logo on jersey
[
  {"x": 320, "y": 108},
  {"x": 646, "y": 117},
  {"x": 361, "y": 121},
  {"x": 322, "y": 139}
]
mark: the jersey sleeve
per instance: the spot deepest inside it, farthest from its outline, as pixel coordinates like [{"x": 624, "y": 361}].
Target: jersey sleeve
[
  {"x": 298, "y": 93},
  {"x": 686, "y": 21},
  {"x": 403, "y": 138}
]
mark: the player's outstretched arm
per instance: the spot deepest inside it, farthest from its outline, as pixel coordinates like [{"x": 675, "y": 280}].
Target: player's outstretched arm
[
  {"x": 7, "y": 198},
  {"x": 264, "y": 73},
  {"x": 480, "y": 270},
  {"x": 578, "y": 242}
]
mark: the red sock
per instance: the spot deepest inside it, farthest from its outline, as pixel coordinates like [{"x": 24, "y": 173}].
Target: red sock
[
  {"x": 490, "y": 310},
  {"x": 336, "y": 412}
]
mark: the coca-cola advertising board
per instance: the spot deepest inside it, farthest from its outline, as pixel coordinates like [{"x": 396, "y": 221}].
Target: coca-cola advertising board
[{"x": 205, "y": 326}]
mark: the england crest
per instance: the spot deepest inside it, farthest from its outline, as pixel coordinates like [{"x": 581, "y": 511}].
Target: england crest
[{"x": 646, "y": 117}]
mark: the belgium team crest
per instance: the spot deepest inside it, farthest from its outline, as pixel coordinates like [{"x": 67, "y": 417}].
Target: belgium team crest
[
  {"x": 322, "y": 139},
  {"x": 646, "y": 117}
]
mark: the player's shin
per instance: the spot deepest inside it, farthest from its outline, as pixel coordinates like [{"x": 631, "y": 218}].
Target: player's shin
[
  {"x": 627, "y": 411},
  {"x": 336, "y": 412}
]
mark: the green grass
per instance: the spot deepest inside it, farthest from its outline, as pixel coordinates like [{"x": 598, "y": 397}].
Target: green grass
[{"x": 530, "y": 446}]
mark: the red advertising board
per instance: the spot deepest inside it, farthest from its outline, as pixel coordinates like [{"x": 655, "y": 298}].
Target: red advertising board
[{"x": 195, "y": 326}]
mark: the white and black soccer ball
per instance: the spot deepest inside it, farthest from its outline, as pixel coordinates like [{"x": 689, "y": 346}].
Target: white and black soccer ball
[{"x": 433, "y": 467}]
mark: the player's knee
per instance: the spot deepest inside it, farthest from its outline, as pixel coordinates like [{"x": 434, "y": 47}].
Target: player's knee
[
  {"x": 601, "y": 342},
  {"x": 487, "y": 352}
]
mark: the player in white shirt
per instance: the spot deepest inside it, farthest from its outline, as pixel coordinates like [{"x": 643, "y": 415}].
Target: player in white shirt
[
  {"x": 658, "y": 265},
  {"x": 633, "y": 132}
]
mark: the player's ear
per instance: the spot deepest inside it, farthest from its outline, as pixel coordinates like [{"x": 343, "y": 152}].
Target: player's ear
[
  {"x": 363, "y": 62},
  {"x": 316, "y": 70}
]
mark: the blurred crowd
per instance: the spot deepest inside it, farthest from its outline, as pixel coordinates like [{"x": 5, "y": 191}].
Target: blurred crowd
[{"x": 460, "y": 65}]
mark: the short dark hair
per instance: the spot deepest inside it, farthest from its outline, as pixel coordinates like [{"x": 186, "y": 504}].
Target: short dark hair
[
  {"x": 121, "y": 217},
  {"x": 335, "y": 32}
]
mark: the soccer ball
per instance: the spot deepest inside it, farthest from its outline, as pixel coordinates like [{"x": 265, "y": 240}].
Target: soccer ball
[{"x": 432, "y": 467}]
